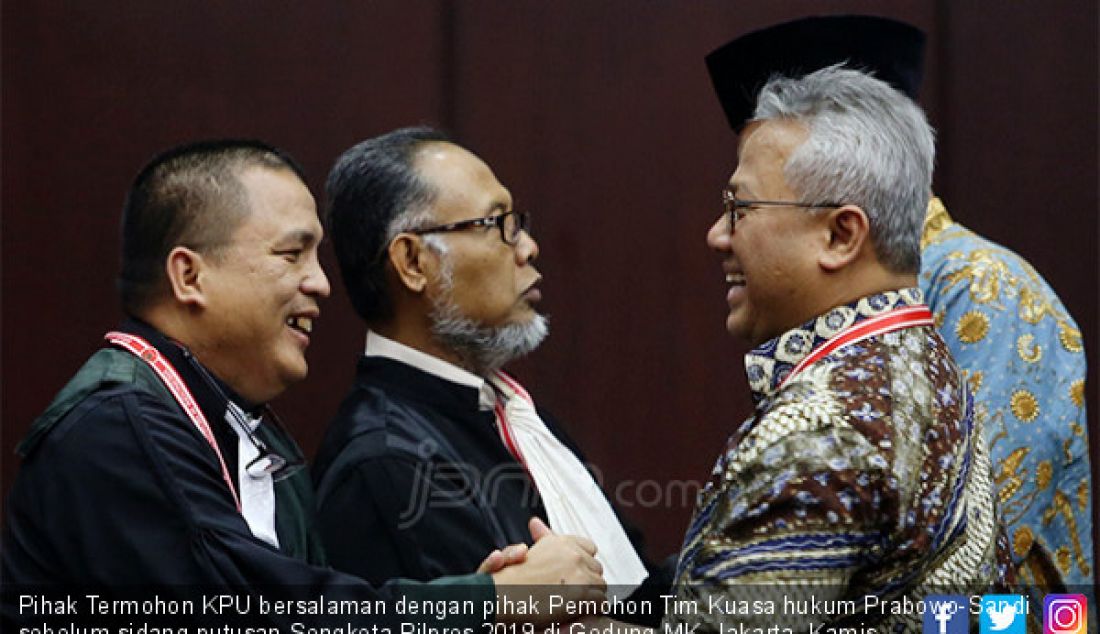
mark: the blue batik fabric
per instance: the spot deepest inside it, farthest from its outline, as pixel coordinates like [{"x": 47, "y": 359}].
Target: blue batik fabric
[{"x": 1024, "y": 360}]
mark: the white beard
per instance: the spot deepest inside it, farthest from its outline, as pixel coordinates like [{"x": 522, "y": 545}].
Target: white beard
[{"x": 483, "y": 349}]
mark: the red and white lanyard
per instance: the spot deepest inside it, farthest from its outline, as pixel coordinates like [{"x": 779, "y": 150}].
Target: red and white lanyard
[
  {"x": 143, "y": 350},
  {"x": 502, "y": 417},
  {"x": 896, "y": 319}
]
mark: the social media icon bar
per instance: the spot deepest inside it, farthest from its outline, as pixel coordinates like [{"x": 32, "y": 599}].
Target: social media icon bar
[
  {"x": 945, "y": 614},
  {"x": 1003, "y": 614},
  {"x": 1065, "y": 614}
]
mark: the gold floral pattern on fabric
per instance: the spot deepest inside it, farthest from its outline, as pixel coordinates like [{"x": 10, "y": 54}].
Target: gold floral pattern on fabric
[
  {"x": 972, "y": 327},
  {"x": 935, "y": 221},
  {"x": 1032, "y": 307},
  {"x": 1024, "y": 405},
  {"x": 1083, "y": 495},
  {"x": 1022, "y": 540},
  {"x": 1070, "y": 338},
  {"x": 989, "y": 280},
  {"x": 974, "y": 380},
  {"x": 1077, "y": 392},
  {"x": 1043, "y": 474},
  {"x": 1063, "y": 559},
  {"x": 1010, "y": 477},
  {"x": 1031, "y": 397},
  {"x": 1029, "y": 351},
  {"x": 1075, "y": 552}
]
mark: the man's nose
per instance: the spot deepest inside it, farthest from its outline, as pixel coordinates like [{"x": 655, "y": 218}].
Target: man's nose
[
  {"x": 718, "y": 237},
  {"x": 316, "y": 282},
  {"x": 527, "y": 249}
]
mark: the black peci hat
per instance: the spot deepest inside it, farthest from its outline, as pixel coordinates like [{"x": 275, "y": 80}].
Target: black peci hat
[{"x": 890, "y": 50}]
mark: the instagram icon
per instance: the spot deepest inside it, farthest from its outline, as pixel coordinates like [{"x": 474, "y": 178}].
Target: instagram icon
[{"x": 1065, "y": 614}]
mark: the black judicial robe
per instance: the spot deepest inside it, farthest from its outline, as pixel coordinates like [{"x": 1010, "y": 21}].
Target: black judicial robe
[
  {"x": 414, "y": 481},
  {"x": 119, "y": 489}
]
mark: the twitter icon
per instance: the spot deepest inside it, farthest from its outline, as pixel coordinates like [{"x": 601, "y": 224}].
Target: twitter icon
[{"x": 1003, "y": 614}]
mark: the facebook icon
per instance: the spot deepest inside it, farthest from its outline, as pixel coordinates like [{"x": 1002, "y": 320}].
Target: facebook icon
[{"x": 945, "y": 614}]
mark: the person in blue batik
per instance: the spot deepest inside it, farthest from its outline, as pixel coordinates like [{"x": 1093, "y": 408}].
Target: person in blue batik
[{"x": 1026, "y": 364}]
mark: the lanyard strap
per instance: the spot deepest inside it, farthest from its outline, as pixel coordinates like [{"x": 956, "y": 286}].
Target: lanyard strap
[
  {"x": 897, "y": 319},
  {"x": 143, "y": 350}
]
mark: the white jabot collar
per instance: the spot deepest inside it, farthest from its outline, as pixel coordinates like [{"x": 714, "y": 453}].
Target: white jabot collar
[
  {"x": 257, "y": 494},
  {"x": 379, "y": 346}
]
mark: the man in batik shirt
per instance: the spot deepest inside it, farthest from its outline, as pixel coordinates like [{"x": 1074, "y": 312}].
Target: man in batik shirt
[
  {"x": 992, "y": 308},
  {"x": 861, "y": 471}
]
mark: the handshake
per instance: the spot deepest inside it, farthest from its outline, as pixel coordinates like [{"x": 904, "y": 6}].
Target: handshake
[{"x": 525, "y": 578}]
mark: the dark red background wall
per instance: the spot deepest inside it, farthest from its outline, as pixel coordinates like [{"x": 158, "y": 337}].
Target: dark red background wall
[{"x": 597, "y": 114}]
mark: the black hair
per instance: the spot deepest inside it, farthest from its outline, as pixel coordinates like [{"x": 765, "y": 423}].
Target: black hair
[
  {"x": 191, "y": 196},
  {"x": 370, "y": 186}
]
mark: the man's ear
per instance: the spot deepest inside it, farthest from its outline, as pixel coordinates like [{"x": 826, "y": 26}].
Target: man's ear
[
  {"x": 185, "y": 270},
  {"x": 849, "y": 230},
  {"x": 408, "y": 254}
]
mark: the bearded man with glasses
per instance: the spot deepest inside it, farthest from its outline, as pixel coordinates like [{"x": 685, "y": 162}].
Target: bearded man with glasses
[{"x": 436, "y": 454}]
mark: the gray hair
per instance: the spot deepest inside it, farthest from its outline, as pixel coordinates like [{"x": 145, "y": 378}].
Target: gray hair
[{"x": 868, "y": 145}]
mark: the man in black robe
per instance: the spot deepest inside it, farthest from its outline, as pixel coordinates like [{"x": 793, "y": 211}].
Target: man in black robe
[
  {"x": 436, "y": 455},
  {"x": 159, "y": 466}
]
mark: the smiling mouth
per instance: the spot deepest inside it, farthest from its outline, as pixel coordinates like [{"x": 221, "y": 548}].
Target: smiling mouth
[
  {"x": 737, "y": 279},
  {"x": 301, "y": 324}
]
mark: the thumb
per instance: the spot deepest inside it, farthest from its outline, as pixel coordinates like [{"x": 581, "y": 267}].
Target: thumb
[{"x": 538, "y": 529}]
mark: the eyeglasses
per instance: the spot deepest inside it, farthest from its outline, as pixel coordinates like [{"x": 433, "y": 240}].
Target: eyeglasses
[
  {"x": 734, "y": 208},
  {"x": 510, "y": 225},
  {"x": 267, "y": 462}
]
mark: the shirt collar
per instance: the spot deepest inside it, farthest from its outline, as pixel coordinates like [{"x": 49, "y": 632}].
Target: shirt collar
[
  {"x": 936, "y": 219},
  {"x": 768, "y": 364},
  {"x": 199, "y": 379},
  {"x": 379, "y": 346}
]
